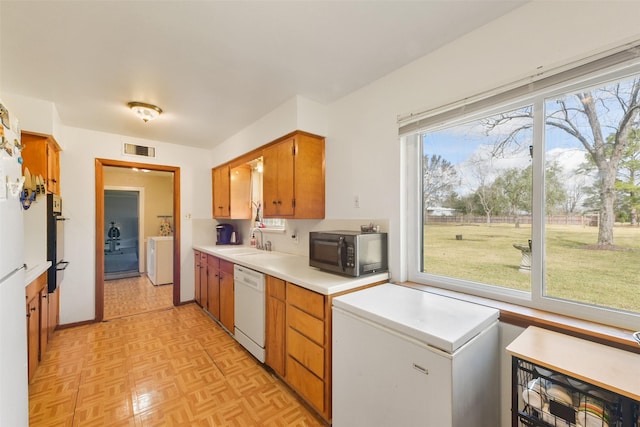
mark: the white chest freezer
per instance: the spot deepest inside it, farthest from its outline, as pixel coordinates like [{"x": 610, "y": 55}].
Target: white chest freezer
[
  {"x": 160, "y": 259},
  {"x": 404, "y": 357}
]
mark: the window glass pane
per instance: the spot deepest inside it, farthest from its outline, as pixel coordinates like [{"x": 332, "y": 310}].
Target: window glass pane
[
  {"x": 592, "y": 162},
  {"x": 476, "y": 200}
]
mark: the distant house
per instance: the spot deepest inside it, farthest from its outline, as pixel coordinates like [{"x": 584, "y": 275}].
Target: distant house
[{"x": 440, "y": 211}]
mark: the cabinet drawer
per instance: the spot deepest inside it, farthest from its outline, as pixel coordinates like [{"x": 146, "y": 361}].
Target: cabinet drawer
[
  {"x": 226, "y": 267},
  {"x": 305, "y": 383},
  {"x": 305, "y": 324},
  {"x": 276, "y": 288},
  {"x": 305, "y": 351},
  {"x": 306, "y": 300}
]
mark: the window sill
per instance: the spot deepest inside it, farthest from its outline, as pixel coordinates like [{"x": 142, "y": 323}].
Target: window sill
[{"x": 524, "y": 316}]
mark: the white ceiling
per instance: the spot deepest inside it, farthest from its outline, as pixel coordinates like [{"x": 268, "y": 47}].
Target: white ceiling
[{"x": 214, "y": 67}]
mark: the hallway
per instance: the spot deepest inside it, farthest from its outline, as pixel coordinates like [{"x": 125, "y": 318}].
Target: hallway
[
  {"x": 170, "y": 367},
  {"x": 135, "y": 295}
]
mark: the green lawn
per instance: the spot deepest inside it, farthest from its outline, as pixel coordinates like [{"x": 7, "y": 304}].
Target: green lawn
[{"x": 486, "y": 255}]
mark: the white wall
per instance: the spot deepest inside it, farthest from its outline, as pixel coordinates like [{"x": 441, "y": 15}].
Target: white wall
[{"x": 77, "y": 164}]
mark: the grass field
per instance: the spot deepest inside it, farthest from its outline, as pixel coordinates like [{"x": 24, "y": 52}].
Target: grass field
[{"x": 486, "y": 254}]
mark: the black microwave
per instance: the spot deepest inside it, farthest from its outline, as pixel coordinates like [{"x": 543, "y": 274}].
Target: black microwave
[{"x": 352, "y": 253}]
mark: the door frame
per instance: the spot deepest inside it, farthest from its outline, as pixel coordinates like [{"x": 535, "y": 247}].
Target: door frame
[
  {"x": 141, "y": 248},
  {"x": 99, "y": 249}
]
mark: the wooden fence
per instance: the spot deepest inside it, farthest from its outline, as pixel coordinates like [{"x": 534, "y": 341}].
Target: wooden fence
[{"x": 589, "y": 220}]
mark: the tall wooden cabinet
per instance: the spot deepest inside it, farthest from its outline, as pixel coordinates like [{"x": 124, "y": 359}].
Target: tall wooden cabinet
[
  {"x": 41, "y": 154},
  {"x": 294, "y": 177}
]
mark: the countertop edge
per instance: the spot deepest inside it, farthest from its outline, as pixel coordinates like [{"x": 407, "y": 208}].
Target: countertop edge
[
  {"x": 34, "y": 272},
  {"x": 337, "y": 283}
]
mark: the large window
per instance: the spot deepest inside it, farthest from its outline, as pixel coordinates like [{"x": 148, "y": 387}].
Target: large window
[{"x": 537, "y": 201}]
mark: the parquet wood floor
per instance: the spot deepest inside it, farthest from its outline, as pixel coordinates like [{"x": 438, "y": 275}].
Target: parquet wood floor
[
  {"x": 135, "y": 295},
  {"x": 173, "y": 367}
]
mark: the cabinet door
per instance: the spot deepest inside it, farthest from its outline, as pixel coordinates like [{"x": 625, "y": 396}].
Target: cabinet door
[
  {"x": 275, "y": 325},
  {"x": 226, "y": 300},
  {"x": 278, "y": 179},
  {"x": 204, "y": 274},
  {"x": 53, "y": 168},
  {"x": 41, "y": 154},
  {"x": 213, "y": 286},
  {"x": 309, "y": 187},
  {"x": 196, "y": 276},
  {"x": 240, "y": 192},
  {"x": 44, "y": 321},
  {"x": 221, "y": 192},
  {"x": 33, "y": 335}
]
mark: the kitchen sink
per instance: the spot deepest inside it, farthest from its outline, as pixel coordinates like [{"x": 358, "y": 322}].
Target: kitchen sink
[
  {"x": 237, "y": 251},
  {"x": 262, "y": 255}
]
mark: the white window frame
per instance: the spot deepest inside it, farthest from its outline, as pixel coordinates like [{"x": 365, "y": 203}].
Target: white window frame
[{"x": 534, "y": 299}]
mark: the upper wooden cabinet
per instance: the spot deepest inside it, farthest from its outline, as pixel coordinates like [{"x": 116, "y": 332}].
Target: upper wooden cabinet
[
  {"x": 41, "y": 154},
  {"x": 221, "y": 192},
  {"x": 231, "y": 191},
  {"x": 294, "y": 177}
]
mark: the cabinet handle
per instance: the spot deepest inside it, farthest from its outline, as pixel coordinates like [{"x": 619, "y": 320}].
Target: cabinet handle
[
  {"x": 44, "y": 296},
  {"x": 420, "y": 369},
  {"x": 33, "y": 309},
  {"x": 275, "y": 203}
]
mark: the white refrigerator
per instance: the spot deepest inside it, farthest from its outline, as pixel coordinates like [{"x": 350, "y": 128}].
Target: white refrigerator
[
  {"x": 14, "y": 394},
  {"x": 404, "y": 357}
]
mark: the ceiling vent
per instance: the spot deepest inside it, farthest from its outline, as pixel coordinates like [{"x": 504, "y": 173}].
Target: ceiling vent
[{"x": 138, "y": 150}]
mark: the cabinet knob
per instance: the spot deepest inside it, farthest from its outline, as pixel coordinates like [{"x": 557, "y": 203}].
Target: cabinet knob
[
  {"x": 33, "y": 309},
  {"x": 28, "y": 315},
  {"x": 44, "y": 296}
]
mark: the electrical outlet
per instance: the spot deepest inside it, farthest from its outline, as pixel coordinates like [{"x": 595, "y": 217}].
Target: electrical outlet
[
  {"x": 356, "y": 201},
  {"x": 295, "y": 237}
]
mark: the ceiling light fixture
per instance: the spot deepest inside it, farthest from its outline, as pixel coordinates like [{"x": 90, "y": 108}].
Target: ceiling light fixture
[{"x": 145, "y": 111}]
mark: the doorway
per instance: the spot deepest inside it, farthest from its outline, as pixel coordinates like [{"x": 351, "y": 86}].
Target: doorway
[
  {"x": 124, "y": 221},
  {"x": 102, "y": 236}
]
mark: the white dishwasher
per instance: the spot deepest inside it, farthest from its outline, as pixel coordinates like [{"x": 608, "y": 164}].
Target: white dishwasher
[
  {"x": 249, "y": 306},
  {"x": 404, "y": 357}
]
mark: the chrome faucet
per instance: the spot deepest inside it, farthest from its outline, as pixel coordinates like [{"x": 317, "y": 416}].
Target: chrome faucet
[{"x": 259, "y": 244}]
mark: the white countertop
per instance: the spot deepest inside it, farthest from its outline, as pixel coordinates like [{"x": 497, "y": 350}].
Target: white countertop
[
  {"x": 292, "y": 268},
  {"x": 33, "y": 272}
]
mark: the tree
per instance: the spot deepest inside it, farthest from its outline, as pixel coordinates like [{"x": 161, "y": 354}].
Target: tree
[
  {"x": 586, "y": 117},
  {"x": 439, "y": 178}
]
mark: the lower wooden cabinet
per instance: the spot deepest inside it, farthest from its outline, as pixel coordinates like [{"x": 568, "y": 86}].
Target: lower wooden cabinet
[
  {"x": 33, "y": 335},
  {"x": 42, "y": 319},
  {"x": 275, "y": 325},
  {"x": 215, "y": 287},
  {"x": 226, "y": 295},
  {"x": 298, "y": 340}
]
